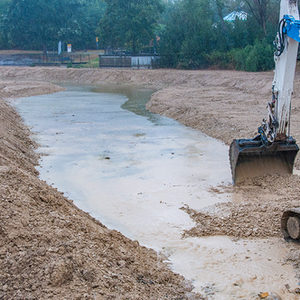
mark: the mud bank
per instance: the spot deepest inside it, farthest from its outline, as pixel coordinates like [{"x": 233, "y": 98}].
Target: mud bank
[{"x": 51, "y": 249}]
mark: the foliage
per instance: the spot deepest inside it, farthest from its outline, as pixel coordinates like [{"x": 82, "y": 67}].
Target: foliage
[
  {"x": 4, "y": 4},
  {"x": 252, "y": 58},
  {"x": 203, "y": 39},
  {"x": 220, "y": 60},
  {"x": 129, "y": 23},
  {"x": 40, "y": 24},
  {"x": 185, "y": 43},
  {"x": 192, "y": 33},
  {"x": 258, "y": 57},
  {"x": 90, "y": 15}
]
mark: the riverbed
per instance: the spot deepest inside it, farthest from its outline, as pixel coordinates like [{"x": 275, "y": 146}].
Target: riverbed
[{"x": 134, "y": 171}]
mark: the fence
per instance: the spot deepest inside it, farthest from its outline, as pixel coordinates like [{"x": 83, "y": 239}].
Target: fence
[
  {"x": 43, "y": 59},
  {"x": 132, "y": 61}
]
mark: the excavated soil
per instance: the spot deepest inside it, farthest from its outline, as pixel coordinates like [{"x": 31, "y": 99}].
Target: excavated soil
[{"x": 45, "y": 237}]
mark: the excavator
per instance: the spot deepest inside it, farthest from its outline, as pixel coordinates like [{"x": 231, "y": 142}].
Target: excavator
[{"x": 273, "y": 150}]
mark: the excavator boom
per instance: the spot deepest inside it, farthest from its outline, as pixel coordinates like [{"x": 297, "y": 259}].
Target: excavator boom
[{"x": 273, "y": 150}]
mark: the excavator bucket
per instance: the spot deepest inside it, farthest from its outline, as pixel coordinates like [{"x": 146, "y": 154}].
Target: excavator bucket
[{"x": 251, "y": 158}]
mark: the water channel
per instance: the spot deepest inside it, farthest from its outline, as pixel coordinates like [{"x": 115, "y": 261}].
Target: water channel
[{"x": 134, "y": 170}]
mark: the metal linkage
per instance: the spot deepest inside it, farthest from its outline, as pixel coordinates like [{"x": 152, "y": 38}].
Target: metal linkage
[
  {"x": 279, "y": 42},
  {"x": 268, "y": 128}
]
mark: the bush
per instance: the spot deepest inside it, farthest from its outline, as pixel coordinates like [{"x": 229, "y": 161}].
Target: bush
[
  {"x": 259, "y": 57},
  {"x": 220, "y": 60},
  {"x": 239, "y": 57},
  {"x": 192, "y": 62},
  {"x": 252, "y": 58}
]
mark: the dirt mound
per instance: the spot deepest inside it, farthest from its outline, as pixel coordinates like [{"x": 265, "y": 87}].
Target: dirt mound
[
  {"x": 255, "y": 211},
  {"x": 11, "y": 89}
]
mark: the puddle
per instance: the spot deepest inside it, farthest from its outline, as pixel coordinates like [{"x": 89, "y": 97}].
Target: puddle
[{"x": 134, "y": 170}]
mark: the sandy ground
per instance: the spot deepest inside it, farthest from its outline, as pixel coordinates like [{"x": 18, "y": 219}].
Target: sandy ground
[{"x": 222, "y": 104}]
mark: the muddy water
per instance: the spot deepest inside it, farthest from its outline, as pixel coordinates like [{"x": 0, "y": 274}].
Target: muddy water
[{"x": 134, "y": 170}]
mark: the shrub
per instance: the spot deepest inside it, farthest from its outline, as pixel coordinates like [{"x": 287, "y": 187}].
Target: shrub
[
  {"x": 259, "y": 57},
  {"x": 220, "y": 60},
  {"x": 252, "y": 58}
]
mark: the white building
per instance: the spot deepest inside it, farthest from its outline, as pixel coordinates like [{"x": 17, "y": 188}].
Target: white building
[{"x": 240, "y": 15}]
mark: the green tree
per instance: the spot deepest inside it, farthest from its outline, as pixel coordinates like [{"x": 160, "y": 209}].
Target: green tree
[
  {"x": 189, "y": 34},
  {"x": 129, "y": 23},
  {"x": 4, "y": 4},
  {"x": 92, "y": 13},
  {"x": 264, "y": 12},
  {"x": 259, "y": 9},
  {"x": 88, "y": 17},
  {"x": 37, "y": 24},
  {"x": 195, "y": 34},
  {"x": 40, "y": 24}
]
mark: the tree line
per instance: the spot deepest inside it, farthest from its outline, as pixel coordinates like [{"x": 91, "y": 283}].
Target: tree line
[
  {"x": 188, "y": 34},
  {"x": 41, "y": 24}
]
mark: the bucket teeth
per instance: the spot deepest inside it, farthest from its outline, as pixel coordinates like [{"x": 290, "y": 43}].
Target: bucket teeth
[{"x": 251, "y": 158}]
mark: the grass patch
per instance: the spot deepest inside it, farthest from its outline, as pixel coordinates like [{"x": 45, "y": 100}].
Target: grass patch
[{"x": 93, "y": 63}]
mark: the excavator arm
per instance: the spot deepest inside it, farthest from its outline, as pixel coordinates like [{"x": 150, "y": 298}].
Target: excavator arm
[
  {"x": 273, "y": 150},
  {"x": 285, "y": 56}
]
